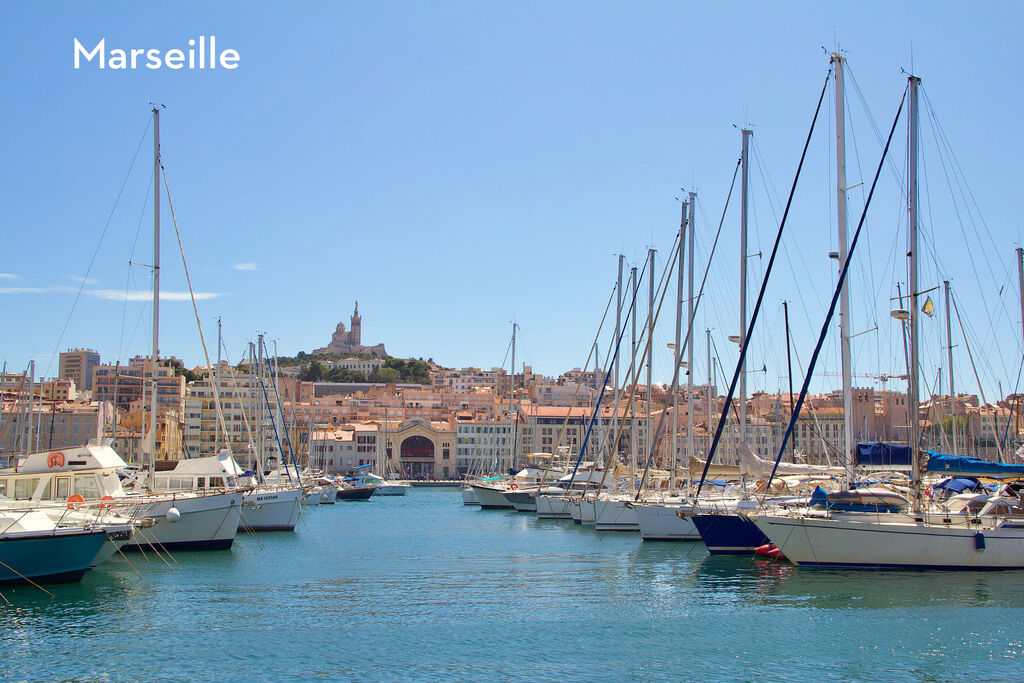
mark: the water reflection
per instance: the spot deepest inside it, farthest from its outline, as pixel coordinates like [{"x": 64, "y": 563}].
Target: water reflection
[{"x": 764, "y": 582}]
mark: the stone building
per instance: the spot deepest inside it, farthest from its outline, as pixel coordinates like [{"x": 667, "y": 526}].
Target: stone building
[{"x": 351, "y": 341}]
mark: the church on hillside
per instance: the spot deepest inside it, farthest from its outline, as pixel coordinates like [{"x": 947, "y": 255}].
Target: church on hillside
[{"x": 351, "y": 341}]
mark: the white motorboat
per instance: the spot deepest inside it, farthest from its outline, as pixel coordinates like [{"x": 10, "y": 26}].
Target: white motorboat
[{"x": 189, "y": 519}]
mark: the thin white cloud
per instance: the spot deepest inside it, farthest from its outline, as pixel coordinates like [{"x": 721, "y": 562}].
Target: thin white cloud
[
  {"x": 9, "y": 276},
  {"x": 146, "y": 295},
  {"x": 245, "y": 266},
  {"x": 82, "y": 280},
  {"x": 25, "y": 290}
]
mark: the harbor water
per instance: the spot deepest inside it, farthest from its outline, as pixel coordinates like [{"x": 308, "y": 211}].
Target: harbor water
[{"x": 423, "y": 588}]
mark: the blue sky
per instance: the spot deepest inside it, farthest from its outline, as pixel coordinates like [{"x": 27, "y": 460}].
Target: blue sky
[{"x": 455, "y": 166}]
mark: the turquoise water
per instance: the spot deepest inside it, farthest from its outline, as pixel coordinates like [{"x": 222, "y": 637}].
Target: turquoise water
[{"x": 422, "y": 588}]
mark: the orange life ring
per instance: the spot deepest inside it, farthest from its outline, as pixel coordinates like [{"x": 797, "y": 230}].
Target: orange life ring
[
  {"x": 104, "y": 506},
  {"x": 75, "y": 502},
  {"x": 514, "y": 487}
]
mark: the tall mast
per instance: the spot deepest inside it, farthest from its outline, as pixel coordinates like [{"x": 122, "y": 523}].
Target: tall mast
[
  {"x": 31, "y": 406},
  {"x": 156, "y": 287},
  {"x": 678, "y": 355},
  {"x": 511, "y": 399},
  {"x": 689, "y": 345},
  {"x": 216, "y": 443},
  {"x": 912, "y": 403},
  {"x": 949, "y": 349},
  {"x": 650, "y": 338},
  {"x": 711, "y": 371},
  {"x": 613, "y": 346},
  {"x": 844, "y": 294},
  {"x": 1020, "y": 278},
  {"x": 632, "y": 377},
  {"x": 745, "y": 173},
  {"x": 789, "y": 371}
]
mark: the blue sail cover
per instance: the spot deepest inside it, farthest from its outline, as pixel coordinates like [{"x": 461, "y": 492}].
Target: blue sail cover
[
  {"x": 961, "y": 464},
  {"x": 883, "y": 454}
]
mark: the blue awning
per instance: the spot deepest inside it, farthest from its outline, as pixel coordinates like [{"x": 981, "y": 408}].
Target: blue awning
[
  {"x": 883, "y": 454},
  {"x": 961, "y": 464}
]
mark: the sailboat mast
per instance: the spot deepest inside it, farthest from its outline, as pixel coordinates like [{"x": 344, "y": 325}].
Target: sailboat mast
[
  {"x": 912, "y": 403},
  {"x": 614, "y": 346},
  {"x": 678, "y": 355},
  {"x": 511, "y": 399},
  {"x": 156, "y": 287},
  {"x": 650, "y": 338},
  {"x": 844, "y": 294},
  {"x": 689, "y": 345},
  {"x": 632, "y": 380},
  {"x": 216, "y": 443},
  {"x": 745, "y": 174},
  {"x": 949, "y": 350}
]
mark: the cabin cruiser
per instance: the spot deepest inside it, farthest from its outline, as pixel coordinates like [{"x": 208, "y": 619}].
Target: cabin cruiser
[{"x": 187, "y": 519}]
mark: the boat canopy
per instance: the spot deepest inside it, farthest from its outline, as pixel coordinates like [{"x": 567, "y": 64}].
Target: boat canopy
[
  {"x": 883, "y": 455},
  {"x": 961, "y": 464}
]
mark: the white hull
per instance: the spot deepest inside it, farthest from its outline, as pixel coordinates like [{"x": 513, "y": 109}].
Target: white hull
[
  {"x": 270, "y": 510},
  {"x": 868, "y": 540},
  {"x": 587, "y": 512},
  {"x": 469, "y": 496},
  {"x": 328, "y": 495},
  {"x": 613, "y": 514},
  {"x": 392, "y": 489},
  {"x": 314, "y": 497},
  {"x": 553, "y": 507},
  {"x": 205, "y": 523},
  {"x": 661, "y": 522},
  {"x": 491, "y": 498},
  {"x": 575, "y": 510}
]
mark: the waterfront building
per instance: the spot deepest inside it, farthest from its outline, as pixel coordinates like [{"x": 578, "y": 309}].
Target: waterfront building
[
  {"x": 78, "y": 365},
  {"x": 51, "y": 425},
  {"x": 244, "y": 408},
  {"x": 481, "y": 444},
  {"x": 339, "y": 451},
  {"x": 129, "y": 382},
  {"x": 419, "y": 448}
]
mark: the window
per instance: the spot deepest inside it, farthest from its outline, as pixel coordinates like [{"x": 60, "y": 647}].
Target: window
[{"x": 24, "y": 488}]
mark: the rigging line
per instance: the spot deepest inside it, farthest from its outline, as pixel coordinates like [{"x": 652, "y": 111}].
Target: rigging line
[
  {"x": 954, "y": 161},
  {"x": 597, "y": 405},
  {"x": 876, "y": 130},
  {"x": 835, "y": 298},
  {"x": 785, "y": 246},
  {"x": 96, "y": 252},
  {"x": 943, "y": 145},
  {"x": 764, "y": 284},
  {"x": 970, "y": 356},
  {"x": 689, "y": 328},
  {"x": 195, "y": 307},
  {"x": 131, "y": 255},
  {"x": 579, "y": 385},
  {"x": 1014, "y": 406},
  {"x": 871, "y": 310}
]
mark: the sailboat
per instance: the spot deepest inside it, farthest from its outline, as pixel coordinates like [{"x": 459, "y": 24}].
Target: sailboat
[{"x": 926, "y": 536}]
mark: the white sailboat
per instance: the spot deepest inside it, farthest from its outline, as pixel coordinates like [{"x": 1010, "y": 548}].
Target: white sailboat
[{"x": 927, "y": 536}]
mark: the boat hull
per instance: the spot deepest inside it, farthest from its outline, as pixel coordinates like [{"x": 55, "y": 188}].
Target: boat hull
[
  {"x": 729, "y": 533},
  {"x": 469, "y": 496},
  {"x": 612, "y": 514},
  {"x": 392, "y": 489},
  {"x": 61, "y": 557},
  {"x": 491, "y": 498},
  {"x": 870, "y": 542},
  {"x": 522, "y": 501},
  {"x": 355, "y": 494},
  {"x": 205, "y": 523},
  {"x": 273, "y": 510},
  {"x": 661, "y": 522},
  {"x": 553, "y": 507}
]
